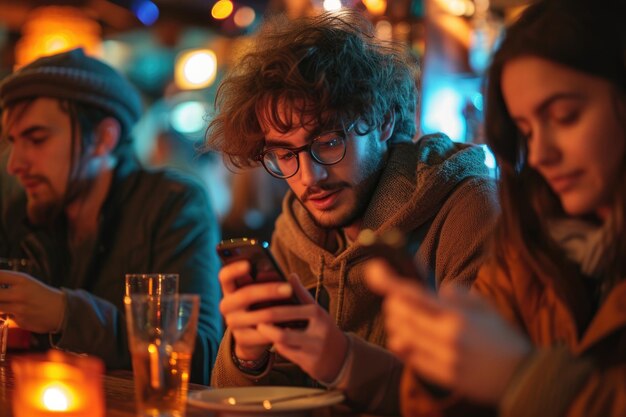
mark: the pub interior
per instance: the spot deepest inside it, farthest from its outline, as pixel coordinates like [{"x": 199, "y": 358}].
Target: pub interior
[{"x": 428, "y": 196}]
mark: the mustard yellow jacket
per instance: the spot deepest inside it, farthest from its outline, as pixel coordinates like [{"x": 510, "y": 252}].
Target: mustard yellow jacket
[{"x": 579, "y": 366}]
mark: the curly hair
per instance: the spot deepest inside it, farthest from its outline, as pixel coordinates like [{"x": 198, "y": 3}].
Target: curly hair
[{"x": 328, "y": 69}]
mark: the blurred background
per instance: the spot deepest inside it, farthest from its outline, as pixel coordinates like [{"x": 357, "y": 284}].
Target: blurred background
[{"x": 176, "y": 51}]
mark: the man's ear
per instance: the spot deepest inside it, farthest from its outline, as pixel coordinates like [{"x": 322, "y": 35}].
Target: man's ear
[
  {"x": 386, "y": 129},
  {"x": 107, "y": 136}
]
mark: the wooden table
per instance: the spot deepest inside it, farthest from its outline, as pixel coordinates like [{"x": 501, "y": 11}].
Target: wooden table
[{"x": 119, "y": 396}]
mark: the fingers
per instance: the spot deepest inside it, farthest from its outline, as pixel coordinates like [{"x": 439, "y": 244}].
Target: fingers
[
  {"x": 384, "y": 280},
  {"x": 14, "y": 287},
  {"x": 229, "y": 274},
  {"x": 11, "y": 278},
  {"x": 301, "y": 292},
  {"x": 249, "y": 336},
  {"x": 244, "y": 297},
  {"x": 270, "y": 315},
  {"x": 461, "y": 299},
  {"x": 293, "y": 345},
  {"x": 380, "y": 277}
]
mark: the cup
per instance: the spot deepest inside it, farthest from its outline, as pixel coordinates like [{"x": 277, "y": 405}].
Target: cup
[
  {"x": 151, "y": 284},
  {"x": 161, "y": 338},
  {"x": 10, "y": 264}
]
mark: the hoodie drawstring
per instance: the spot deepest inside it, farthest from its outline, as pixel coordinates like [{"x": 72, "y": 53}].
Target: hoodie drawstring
[
  {"x": 342, "y": 284},
  {"x": 320, "y": 278}
]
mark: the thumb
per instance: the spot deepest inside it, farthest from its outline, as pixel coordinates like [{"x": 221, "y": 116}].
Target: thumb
[
  {"x": 462, "y": 298},
  {"x": 302, "y": 293},
  {"x": 380, "y": 277}
]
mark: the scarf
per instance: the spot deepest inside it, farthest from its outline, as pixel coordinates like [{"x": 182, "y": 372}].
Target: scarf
[{"x": 584, "y": 243}]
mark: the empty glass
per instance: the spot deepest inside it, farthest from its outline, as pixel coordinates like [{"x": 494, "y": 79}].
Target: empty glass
[{"x": 151, "y": 284}]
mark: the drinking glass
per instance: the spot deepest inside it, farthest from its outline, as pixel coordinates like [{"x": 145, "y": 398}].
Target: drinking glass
[
  {"x": 10, "y": 264},
  {"x": 161, "y": 338},
  {"x": 151, "y": 284}
]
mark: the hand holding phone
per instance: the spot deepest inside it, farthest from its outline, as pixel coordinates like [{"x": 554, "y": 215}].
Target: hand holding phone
[
  {"x": 263, "y": 269},
  {"x": 391, "y": 246}
]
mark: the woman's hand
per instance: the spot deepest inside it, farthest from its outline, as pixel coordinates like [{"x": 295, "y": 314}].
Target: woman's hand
[{"x": 456, "y": 341}]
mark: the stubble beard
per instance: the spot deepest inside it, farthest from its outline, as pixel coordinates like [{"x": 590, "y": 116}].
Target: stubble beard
[
  {"x": 362, "y": 193},
  {"x": 44, "y": 212}
]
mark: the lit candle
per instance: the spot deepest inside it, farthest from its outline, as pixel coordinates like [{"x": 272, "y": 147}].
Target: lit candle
[{"x": 58, "y": 384}]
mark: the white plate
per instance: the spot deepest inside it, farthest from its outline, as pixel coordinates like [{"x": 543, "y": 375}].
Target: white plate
[{"x": 236, "y": 400}]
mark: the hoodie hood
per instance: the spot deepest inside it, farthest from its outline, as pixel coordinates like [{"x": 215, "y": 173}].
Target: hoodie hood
[{"x": 416, "y": 180}]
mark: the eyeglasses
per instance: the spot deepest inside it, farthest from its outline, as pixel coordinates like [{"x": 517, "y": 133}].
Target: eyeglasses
[{"x": 329, "y": 148}]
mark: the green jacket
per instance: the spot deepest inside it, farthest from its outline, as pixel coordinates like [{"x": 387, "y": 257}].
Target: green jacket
[
  {"x": 151, "y": 221},
  {"x": 437, "y": 192}
]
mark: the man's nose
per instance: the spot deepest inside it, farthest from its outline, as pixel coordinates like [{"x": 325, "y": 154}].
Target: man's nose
[
  {"x": 311, "y": 171},
  {"x": 17, "y": 162}
]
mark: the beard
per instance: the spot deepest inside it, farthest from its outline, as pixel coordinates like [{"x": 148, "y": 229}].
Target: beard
[
  {"x": 44, "y": 209},
  {"x": 361, "y": 194},
  {"x": 43, "y": 212}
]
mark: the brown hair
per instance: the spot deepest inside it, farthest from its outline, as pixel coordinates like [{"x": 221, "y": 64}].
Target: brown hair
[
  {"x": 328, "y": 68},
  {"x": 587, "y": 38}
]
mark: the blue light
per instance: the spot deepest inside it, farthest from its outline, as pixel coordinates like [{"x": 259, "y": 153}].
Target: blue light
[
  {"x": 490, "y": 158},
  {"x": 442, "y": 112},
  {"x": 187, "y": 117},
  {"x": 146, "y": 11},
  {"x": 477, "y": 100}
]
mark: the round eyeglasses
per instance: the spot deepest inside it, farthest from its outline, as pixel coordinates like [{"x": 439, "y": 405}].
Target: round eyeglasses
[{"x": 328, "y": 148}]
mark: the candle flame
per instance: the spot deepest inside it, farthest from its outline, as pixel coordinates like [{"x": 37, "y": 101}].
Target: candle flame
[{"x": 55, "y": 399}]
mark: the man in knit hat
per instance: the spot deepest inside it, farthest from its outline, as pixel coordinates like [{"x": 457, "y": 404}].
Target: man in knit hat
[
  {"x": 322, "y": 104},
  {"x": 84, "y": 211}
]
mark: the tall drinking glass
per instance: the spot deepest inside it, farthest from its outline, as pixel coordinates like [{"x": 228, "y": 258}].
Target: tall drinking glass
[
  {"x": 161, "y": 337},
  {"x": 10, "y": 264},
  {"x": 151, "y": 284}
]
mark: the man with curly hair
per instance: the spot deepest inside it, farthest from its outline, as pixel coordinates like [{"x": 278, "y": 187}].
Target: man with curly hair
[{"x": 323, "y": 104}]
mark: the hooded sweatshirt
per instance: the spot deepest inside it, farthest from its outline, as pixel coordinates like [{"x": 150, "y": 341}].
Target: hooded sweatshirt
[{"x": 439, "y": 194}]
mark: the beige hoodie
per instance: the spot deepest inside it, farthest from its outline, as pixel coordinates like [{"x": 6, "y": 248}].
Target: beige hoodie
[{"x": 436, "y": 191}]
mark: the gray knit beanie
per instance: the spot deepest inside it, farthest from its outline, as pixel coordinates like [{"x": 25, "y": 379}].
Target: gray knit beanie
[{"x": 74, "y": 76}]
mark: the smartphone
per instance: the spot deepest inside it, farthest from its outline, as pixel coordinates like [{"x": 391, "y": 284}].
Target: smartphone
[
  {"x": 263, "y": 268},
  {"x": 391, "y": 246}
]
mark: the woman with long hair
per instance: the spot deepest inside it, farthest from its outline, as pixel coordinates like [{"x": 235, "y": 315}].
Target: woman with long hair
[{"x": 556, "y": 344}]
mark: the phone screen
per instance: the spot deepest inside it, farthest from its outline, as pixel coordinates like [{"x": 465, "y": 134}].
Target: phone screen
[{"x": 263, "y": 268}]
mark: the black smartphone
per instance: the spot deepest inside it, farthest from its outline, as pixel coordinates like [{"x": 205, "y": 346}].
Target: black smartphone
[
  {"x": 391, "y": 246},
  {"x": 263, "y": 268}
]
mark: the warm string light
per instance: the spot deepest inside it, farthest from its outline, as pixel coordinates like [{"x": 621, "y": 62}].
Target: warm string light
[
  {"x": 195, "y": 69},
  {"x": 53, "y": 29},
  {"x": 376, "y": 7},
  {"x": 222, "y": 9}
]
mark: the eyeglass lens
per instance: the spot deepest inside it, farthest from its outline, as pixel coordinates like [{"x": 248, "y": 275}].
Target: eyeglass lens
[{"x": 326, "y": 149}]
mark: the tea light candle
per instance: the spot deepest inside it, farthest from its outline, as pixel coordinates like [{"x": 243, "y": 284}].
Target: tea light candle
[{"x": 58, "y": 384}]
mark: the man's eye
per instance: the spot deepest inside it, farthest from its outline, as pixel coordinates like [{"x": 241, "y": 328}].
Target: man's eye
[
  {"x": 330, "y": 143},
  {"x": 37, "y": 140},
  {"x": 566, "y": 118},
  {"x": 284, "y": 156}
]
